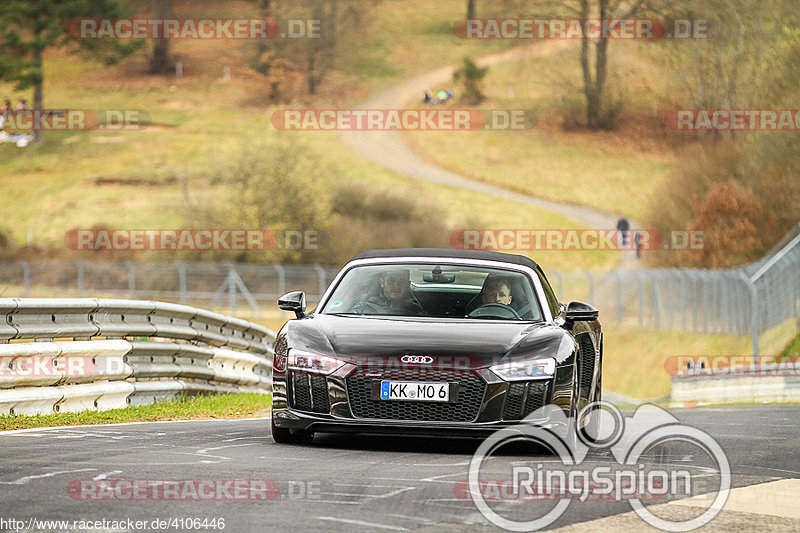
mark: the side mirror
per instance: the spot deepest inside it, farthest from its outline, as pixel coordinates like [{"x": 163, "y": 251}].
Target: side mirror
[
  {"x": 579, "y": 312},
  {"x": 293, "y": 301}
]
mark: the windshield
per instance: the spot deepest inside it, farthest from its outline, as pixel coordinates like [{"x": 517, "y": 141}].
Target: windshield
[{"x": 442, "y": 291}]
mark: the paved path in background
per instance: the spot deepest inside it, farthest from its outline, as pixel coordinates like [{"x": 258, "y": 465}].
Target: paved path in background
[{"x": 389, "y": 150}]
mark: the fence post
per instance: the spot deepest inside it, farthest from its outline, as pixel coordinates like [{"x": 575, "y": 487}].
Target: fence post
[
  {"x": 754, "y": 322},
  {"x": 705, "y": 303},
  {"x": 591, "y": 285},
  {"x": 79, "y": 269},
  {"x": 640, "y": 287},
  {"x": 656, "y": 299},
  {"x": 560, "y": 293},
  {"x": 682, "y": 308},
  {"x": 618, "y": 277},
  {"x": 131, "y": 278},
  {"x": 323, "y": 283},
  {"x": 182, "y": 281},
  {"x": 26, "y": 278},
  {"x": 231, "y": 281},
  {"x": 281, "y": 283}
]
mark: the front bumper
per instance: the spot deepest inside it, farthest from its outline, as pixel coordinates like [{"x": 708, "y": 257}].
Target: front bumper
[
  {"x": 342, "y": 405},
  {"x": 286, "y": 418}
]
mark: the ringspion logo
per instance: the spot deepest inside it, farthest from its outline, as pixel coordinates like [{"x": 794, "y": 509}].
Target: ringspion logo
[{"x": 633, "y": 476}]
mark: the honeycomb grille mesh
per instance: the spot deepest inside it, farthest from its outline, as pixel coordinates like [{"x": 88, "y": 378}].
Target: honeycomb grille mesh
[
  {"x": 523, "y": 398},
  {"x": 465, "y": 409},
  {"x": 305, "y": 387},
  {"x": 586, "y": 365},
  {"x": 537, "y": 395}
]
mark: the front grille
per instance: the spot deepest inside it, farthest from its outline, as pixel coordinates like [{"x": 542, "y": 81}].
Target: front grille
[
  {"x": 586, "y": 365},
  {"x": 515, "y": 397},
  {"x": 319, "y": 393},
  {"x": 537, "y": 396},
  {"x": 523, "y": 398},
  {"x": 310, "y": 393},
  {"x": 471, "y": 390}
]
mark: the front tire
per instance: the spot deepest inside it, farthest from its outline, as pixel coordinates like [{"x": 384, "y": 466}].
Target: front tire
[{"x": 287, "y": 436}]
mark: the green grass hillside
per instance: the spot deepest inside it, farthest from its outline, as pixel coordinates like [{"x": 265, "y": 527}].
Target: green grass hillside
[{"x": 137, "y": 179}]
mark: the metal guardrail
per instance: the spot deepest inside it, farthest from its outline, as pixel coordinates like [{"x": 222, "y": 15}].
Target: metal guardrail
[
  {"x": 59, "y": 355},
  {"x": 759, "y": 384}
]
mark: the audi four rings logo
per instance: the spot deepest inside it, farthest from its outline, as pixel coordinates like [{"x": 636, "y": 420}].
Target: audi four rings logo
[{"x": 417, "y": 359}]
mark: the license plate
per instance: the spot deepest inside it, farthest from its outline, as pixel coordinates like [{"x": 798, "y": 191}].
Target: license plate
[{"x": 415, "y": 391}]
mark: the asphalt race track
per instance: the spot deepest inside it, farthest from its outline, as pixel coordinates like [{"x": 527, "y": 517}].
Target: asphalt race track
[{"x": 351, "y": 483}]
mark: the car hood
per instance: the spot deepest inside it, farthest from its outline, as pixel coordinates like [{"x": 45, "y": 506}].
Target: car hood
[{"x": 351, "y": 336}]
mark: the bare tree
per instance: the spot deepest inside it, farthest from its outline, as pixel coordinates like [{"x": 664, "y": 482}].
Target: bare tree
[
  {"x": 317, "y": 52},
  {"x": 471, "y": 14},
  {"x": 734, "y": 67},
  {"x": 160, "y": 62},
  {"x": 594, "y": 53}
]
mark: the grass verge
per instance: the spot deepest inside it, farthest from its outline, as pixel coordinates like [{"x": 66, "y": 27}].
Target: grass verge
[{"x": 219, "y": 406}]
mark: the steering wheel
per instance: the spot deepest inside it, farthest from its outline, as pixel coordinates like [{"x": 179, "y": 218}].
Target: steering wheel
[{"x": 495, "y": 310}]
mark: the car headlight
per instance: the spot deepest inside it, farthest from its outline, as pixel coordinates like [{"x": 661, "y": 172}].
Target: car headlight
[
  {"x": 301, "y": 361},
  {"x": 522, "y": 370}
]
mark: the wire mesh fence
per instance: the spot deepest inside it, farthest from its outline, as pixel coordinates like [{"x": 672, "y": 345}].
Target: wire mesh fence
[{"x": 742, "y": 301}]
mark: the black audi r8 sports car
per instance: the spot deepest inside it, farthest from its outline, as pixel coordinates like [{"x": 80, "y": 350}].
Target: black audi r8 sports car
[{"x": 433, "y": 341}]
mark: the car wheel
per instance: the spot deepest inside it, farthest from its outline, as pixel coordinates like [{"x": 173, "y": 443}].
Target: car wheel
[{"x": 287, "y": 436}]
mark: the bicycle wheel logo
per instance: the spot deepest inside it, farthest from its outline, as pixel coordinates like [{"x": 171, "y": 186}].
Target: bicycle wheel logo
[{"x": 643, "y": 469}]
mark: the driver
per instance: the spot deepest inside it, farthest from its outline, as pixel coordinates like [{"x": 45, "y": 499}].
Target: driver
[
  {"x": 395, "y": 297},
  {"x": 496, "y": 290}
]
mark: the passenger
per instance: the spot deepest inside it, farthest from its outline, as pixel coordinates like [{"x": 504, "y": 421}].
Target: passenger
[{"x": 395, "y": 297}]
